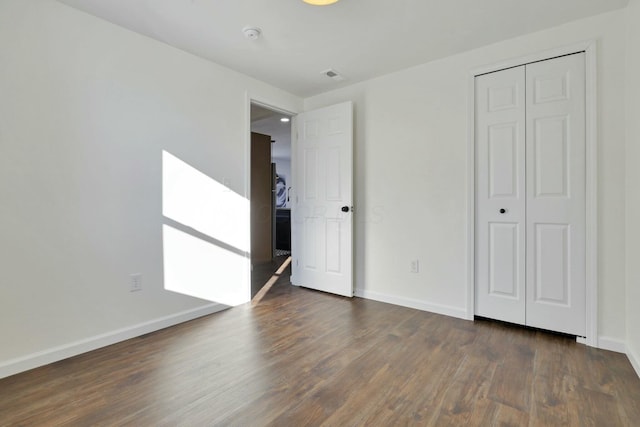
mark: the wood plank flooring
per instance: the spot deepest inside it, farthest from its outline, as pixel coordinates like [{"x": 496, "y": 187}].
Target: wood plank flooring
[{"x": 304, "y": 358}]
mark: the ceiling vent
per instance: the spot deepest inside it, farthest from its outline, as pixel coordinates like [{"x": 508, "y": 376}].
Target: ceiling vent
[{"x": 334, "y": 75}]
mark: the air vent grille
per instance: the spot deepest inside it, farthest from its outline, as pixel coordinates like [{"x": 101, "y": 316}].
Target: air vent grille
[{"x": 333, "y": 74}]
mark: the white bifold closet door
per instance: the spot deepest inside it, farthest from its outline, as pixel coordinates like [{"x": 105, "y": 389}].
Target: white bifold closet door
[{"x": 530, "y": 195}]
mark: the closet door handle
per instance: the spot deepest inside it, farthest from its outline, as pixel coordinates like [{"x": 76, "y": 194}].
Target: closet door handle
[{"x": 503, "y": 210}]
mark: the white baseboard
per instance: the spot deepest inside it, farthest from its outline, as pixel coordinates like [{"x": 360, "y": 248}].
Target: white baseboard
[
  {"x": 41, "y": 358},
  {"x": 612, "y": 344},
  {"x": 446, "y": 310},
  {"x": 634, "y": 359}
]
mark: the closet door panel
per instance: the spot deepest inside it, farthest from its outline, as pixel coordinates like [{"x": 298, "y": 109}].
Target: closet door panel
[
  {"x": 555, "y": 195},
  {"x": 500, "y": 195}
]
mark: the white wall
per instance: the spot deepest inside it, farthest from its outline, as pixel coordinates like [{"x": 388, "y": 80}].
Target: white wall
[
  {"x": 86, "y": 110},
  {"x": 411, "y": 172},
  {"x": 633, "y": 182}
]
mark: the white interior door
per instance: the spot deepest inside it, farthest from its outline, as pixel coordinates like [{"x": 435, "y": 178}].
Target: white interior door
[
  {"x": 322, "y": 219},
  {"x": 500, "y": 195},
  {"x": 556, "y": 205},
  {"x": 530, "y": 195}
]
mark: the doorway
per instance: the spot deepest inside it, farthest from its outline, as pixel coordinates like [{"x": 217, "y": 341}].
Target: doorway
[{"x": 271, "y": 183}]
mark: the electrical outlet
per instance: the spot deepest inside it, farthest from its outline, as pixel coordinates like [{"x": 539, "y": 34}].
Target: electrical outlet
[
  {"x": 414, "y": 266},
  {"x": 136, "y": 283}
]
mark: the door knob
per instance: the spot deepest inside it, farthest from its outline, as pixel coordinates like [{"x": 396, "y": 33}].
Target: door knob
[
  {"x": 345, "y": 209},
  {"x": 503, "y": 211}
]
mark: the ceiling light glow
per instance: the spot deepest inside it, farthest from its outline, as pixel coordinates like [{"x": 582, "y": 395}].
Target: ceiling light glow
[
  {"x": 285, "y": 120},
  {"x": 320, "y": 2}
]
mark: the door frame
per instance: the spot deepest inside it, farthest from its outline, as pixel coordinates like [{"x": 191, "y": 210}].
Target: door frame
[
  {"x": 271, "y": 105},
  {"x": 589, "y": 47}
]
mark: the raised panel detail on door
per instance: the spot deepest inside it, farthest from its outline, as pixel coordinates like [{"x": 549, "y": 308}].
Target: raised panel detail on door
[
  {"x": 504, "y": 259},
  {"x": 551, "y": 160},
  {"x": 333, "y": 231},
  {"x": 310, "y": 129},
  {"x": 552, "y": 273},
  {"x": 335, "y": 126},
  {"x": 310, "y": 173},
  {"x": 310, "y": 243},
  {"x": 333, "y": 174},
  {"x": 503, "y": 160},
  {"x": 502, "y": 97},
  {"x": 551, "y": 88}
]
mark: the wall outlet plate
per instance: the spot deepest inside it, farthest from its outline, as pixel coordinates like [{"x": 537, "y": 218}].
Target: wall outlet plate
[
  {"x": 414, "y": 266},
  {"x": 135, "y": 284}
]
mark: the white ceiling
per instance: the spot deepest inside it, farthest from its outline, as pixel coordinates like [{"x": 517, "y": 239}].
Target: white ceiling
[{"x": 359, "y": 38}]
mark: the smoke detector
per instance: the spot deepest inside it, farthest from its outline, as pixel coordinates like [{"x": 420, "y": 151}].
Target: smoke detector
[
  {"x": 333, "y": 74},
  {"x": 252, "y": 33}
]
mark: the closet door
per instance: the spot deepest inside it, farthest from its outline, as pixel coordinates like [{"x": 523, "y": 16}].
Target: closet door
[
  {"x": 500, "y": 195},
  {"x": 555, "y": 164}
]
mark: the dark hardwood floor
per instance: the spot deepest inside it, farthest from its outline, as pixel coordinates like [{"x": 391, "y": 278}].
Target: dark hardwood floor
[
  {"x": 263, "y": 271},
  {"x": 306, "y": 358}
]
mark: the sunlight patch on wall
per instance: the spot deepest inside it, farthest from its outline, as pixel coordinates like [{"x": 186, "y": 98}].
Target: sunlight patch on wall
[
  {"x": 205, "y": 235},
  {"x": 201, "y": 269},
  {"x": 194, "y": 199}
]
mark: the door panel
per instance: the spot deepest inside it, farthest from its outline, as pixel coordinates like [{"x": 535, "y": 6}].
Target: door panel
[
  {"x": 556, "y": 205},
  {"x": 503, "y": 161},
  {"x": 334, "y": 180},
  {"x": 503, "y": 260},
  {"x": 500, "y": 195},
  {"x": 551, "y": 153},
  {"x": 333, "y": 235},
  {"x": 323, "y": 155},
  {"x": 310, "y": 173},
  {"x": 552, "y": 264},
  {"x": 310, "y": 243},
  {"x": 550, "y": 88}
]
